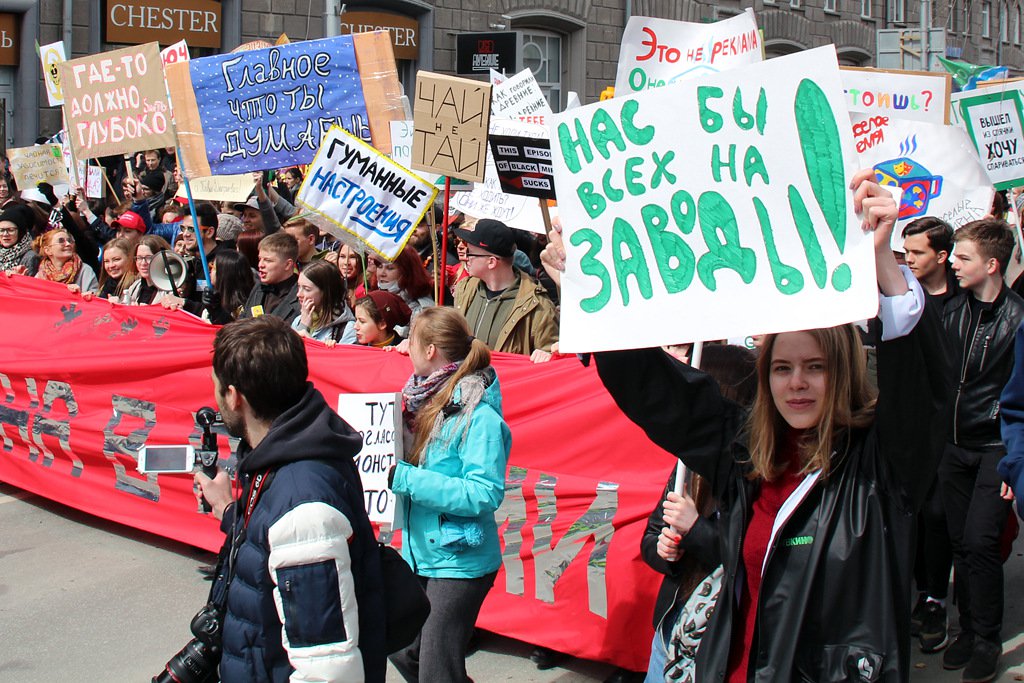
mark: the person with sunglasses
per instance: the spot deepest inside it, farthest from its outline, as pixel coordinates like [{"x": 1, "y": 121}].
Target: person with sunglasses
[{"x": 58, "y": 262}]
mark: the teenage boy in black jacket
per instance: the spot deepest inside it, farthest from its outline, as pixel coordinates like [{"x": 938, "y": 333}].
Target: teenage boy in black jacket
[{"x": 981, "y": 321}]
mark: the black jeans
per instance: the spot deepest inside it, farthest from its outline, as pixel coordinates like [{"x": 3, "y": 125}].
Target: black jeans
[
  {"x": 439, "y": 651},
  {"x": 934, "y": 551},
  {"x": 976, "y": 516}
]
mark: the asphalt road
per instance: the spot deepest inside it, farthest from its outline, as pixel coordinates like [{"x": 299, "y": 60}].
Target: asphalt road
[{"x": 82, "y": 599}]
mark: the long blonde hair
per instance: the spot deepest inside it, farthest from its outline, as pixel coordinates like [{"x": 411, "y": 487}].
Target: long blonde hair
[
  {"x": 849, "y": 404},
  {"x": 448, "y": 331}
]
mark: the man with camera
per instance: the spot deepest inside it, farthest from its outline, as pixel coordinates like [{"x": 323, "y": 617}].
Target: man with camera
[{"x": 298, "y": 586}]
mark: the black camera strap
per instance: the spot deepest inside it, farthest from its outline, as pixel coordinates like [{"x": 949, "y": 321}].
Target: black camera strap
[{"x": 259, "y": 484}]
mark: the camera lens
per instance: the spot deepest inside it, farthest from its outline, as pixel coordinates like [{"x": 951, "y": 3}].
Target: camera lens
[{"x": 196, "y": 663}]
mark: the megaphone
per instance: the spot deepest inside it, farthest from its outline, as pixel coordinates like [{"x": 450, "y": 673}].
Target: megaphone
[{"x": 168, "y": 271}]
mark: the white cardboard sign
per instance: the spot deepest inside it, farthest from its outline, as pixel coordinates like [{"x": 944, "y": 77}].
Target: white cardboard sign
[
  {"x": 743, "y": 225},
  {"x": 994, "y": 118},
  {"x": 936, "y": 166},
  {"x": 378, "y": 419},
  {"x": 361, "y": 196},
  {"x": 656, "y": 52}
]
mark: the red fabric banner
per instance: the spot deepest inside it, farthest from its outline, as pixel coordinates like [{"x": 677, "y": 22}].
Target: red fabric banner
[{"x": 84, "y": 384}]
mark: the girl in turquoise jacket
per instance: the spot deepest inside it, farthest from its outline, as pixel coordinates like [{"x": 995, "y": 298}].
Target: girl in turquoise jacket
[{"x": 448, "y": 487}]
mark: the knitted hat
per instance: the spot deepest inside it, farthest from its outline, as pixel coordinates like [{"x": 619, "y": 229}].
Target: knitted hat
[
  {"x": 228, "y": 226},
  {"x": 20, "y": 215},
  {"x": 393, "y": 311},
  {"x": 154, "y": 181}
]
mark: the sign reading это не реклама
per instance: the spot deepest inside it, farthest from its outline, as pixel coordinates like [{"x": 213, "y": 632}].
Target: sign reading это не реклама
[{"x": 743, "y": 225}]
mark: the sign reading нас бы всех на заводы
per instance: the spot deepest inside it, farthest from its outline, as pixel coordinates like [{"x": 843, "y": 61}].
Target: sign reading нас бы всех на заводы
[{"x": 743, "y": 225}]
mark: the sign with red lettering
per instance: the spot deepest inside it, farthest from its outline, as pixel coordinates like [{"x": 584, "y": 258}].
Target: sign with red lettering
[
  {"x": 116, "y": 102},
  {"x": 175, "y": 53},
  {"x": 141, "y": 21},
  {"x": 656, "y": 52},
  {"x": 935, "y": 166},
  {"x": 72, "y": 422}
]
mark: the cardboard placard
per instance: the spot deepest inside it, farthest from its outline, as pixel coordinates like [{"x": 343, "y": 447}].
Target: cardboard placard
[
  {"x": 378, "y": 419},
  {"x": 37, "y": 164},
  {"x": 994, "y": 118},
  {"x": 742, "y": 225},
  {"x": 362, "y": 197},
  {"x": 450, "y": 118},
  {"x": 219, "y": 188},
  {"x": 523, "y": 165},
  {"x": 656, "y": 52},
  {"x": 265, "y": 108},
  {"x": 116, "y": 102},
  {"x": 935, "y": 166},
  {"x": 914, "y": 95}
]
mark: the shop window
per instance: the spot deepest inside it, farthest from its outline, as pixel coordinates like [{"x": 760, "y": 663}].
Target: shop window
[{"x": 542, "y": 54}]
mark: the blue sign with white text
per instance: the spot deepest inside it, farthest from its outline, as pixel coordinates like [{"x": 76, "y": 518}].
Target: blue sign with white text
[{"x": 269, "y": 108}]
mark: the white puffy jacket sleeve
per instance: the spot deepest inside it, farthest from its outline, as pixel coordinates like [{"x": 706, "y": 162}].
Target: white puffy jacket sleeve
[{"x": 314, "y": 591}]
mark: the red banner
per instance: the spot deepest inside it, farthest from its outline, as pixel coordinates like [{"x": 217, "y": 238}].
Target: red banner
[{"x": 84, "y": 384}]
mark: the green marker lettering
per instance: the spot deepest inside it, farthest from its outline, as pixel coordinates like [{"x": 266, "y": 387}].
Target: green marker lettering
[
  {"x": 674, "y": 257},
  {"x": 805, "y": 228},
  {"x": 788, "y": 280},
  {"x": 710, "y": 120},
  {"x": 722, "y": 236},
  {"x": 593, "y": 267},
  {"x": 634, "y": 264}
]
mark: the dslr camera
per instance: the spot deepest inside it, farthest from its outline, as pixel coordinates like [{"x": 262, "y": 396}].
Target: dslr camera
[{"x": 197, "y": 662}]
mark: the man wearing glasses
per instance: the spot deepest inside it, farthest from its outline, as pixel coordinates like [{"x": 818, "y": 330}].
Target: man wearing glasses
[{"x": 506, "y": 309}]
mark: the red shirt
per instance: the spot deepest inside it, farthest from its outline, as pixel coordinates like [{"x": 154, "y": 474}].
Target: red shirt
[{"x": 755, "y": 547}]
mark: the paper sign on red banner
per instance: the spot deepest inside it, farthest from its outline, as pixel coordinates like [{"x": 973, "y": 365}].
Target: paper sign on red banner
[{"x": 581, "y": 481}]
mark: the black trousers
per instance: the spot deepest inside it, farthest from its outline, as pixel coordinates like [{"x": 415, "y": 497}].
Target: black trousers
[
  {"x": 934, "y": 558},
  {"x": 439, "y": 652},
  {"x": 976, "y": 516}
]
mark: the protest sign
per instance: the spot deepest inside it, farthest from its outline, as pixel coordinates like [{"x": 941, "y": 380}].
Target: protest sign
[
  {"x": 401, "y": 149},
  {"x": 219, "y": 188},
  {"x": 519, "y": 96},
  {"x": 915, "y": 95},
  {"x": 93, "y": 182},
  {"x": 266, "y": 108},
  {"x": 488, "y": 201},
  {"x": 382, "y": 90},
  {"x": 37, "y": 164},
  {"x": 450, "y": 117},
  {"x": 935, "y": 166},
  {"x": 51, "y": 57},
  {"x": 656, "y": 52},
  {"x": 994, "y": 118},
  {"x": 523, "y": 165},
  {"x": 178, "y": 52},
  {"x": 116, "y": 102},
  {"x": 743, "y": 225},
  {"x": 361, "y": 197},
  {"x": 378, "y": 419}
]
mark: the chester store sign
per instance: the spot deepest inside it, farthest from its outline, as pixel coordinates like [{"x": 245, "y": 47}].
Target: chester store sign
[{"x": 141, "y": 21}]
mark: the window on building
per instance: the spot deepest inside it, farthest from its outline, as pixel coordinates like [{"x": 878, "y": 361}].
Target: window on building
[
  {"x": 542, "y": 54},
  {"x": 896, "y": 11},
  {"x": 1004, "y": 23},
  {"x": 1016, "y": 26},
  {"x": 795, "y": 4},
  {"x": 954, "y": 16},
  {"x": 967, "y": 17},
  {"x": 986, "y": 19},
  {"x": 865, "y": 9},
  {"x": 830, "y": 5}
]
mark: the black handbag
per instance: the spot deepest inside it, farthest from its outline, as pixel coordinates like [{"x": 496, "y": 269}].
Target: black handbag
[{"x": 406, "y": 606}]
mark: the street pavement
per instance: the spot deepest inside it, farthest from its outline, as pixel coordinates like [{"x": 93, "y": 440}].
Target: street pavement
[{"x": 83, "y": 599}]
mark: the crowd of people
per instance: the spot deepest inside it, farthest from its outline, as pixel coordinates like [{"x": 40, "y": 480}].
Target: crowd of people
[{"x": 835, "y": 477}]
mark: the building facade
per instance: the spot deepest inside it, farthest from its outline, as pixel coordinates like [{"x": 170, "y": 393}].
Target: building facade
[{"x": 570, "y": 45}]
